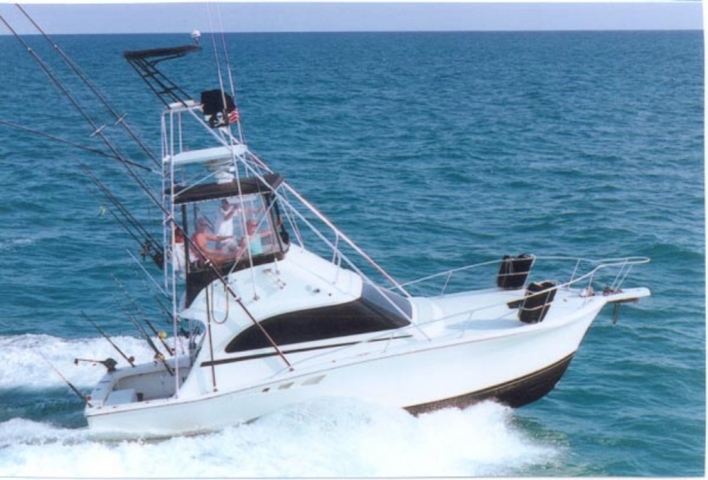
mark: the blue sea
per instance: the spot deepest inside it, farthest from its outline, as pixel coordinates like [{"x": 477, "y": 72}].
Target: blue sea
[{"x": 432, "y": 151}]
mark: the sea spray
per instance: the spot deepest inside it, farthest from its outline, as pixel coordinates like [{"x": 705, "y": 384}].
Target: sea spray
[{"x": 327, "y": 437}]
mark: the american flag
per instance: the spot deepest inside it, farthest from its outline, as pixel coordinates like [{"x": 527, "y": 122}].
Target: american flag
[{"x": 233, "y": 116}]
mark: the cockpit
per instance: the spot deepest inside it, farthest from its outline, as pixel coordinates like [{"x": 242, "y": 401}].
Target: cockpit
[{"x": 230, "y": 226}]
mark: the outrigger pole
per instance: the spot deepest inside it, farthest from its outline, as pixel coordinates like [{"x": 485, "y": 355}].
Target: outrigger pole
[
  {"x": 120, "y": 119},
  {"x": 69, "y": 142},
  {"x": 98, "y": 131}
]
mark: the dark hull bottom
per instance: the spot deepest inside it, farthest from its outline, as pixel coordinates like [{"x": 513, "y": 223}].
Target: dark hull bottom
[{"x": 516, "y": 393}]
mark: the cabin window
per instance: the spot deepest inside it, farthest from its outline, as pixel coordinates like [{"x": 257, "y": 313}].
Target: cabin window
[
  {"x": 370, "y": 313},
  {"x": 229, "y": 229}
]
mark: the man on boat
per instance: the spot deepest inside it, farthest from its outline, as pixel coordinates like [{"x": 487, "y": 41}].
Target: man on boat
[
  {"x": 225, "y": 220},
  {"x": 178, "y": 252},
  {"x": 200, "y": 244},
  {"x": 252, "y": 243}
]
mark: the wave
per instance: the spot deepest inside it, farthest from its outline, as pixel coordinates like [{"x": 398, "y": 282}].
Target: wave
[
  {"x": 328, "y": 437},
  {"x": 322, "y": 438},
  {"x": 29, "y": 360}
]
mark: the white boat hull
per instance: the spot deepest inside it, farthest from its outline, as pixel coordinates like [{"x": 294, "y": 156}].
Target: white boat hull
[{"x": 516, "y": 368}]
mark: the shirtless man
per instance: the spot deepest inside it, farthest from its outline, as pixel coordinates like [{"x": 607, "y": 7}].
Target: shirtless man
[{"x": 201, "y": 239}]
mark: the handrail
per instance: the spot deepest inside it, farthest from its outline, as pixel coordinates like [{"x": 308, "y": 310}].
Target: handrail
[{"x": 600, "y": 264}]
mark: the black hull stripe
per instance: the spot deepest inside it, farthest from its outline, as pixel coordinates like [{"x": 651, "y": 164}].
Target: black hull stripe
[{"x": 515, "y": 393}]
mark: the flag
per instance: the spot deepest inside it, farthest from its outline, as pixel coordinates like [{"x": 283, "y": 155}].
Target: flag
[{"x": 233, "y": 116}]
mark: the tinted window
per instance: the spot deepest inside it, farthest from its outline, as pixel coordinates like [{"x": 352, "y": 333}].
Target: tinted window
[
  {"x": 384, "y": 301},
  {"x": 360, "y": 316}
]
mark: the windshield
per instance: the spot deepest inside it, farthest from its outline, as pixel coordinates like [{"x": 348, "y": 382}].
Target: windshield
[{"x": 229, "y": 229}]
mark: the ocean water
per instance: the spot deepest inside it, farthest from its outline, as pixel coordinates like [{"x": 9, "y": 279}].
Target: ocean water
[{"x": 432, "y": 151}]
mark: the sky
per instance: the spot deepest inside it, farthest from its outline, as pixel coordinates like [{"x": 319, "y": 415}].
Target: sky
[{"x": 290, "y": 16}]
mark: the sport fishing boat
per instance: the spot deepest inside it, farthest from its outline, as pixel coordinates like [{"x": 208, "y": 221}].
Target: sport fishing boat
[
  {"x": 274, "y": 321},
  {"x": 273, "y": 305}
]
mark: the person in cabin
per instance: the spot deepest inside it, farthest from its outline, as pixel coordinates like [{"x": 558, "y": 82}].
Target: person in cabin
[
  {"x": 178, "y": 253},
  {"x": 253, "y": 240},
  {"x": 225, "y": 222},
  {"x": 200, "y": 244},
  {"x": 228, "y": 222}
]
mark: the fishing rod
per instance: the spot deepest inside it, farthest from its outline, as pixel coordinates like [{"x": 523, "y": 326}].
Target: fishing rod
[
  {"x": 159, "y": 357},
  {"x": 159, "y": 335},
  {"x": 120, "y": 119},
  {"x": 149, "y": 275},
  {"x": 150, "y": 246},
  {"x": 130, "y": 359},
  {"x": 168, "y": 314},
  {"x": 76, "y": 390},
  {"x": 119, "y": 220},
  {"x": 98, "y": 131},
  {"x": 68, "y": 142},
  {"x": 134, "y": 223}
]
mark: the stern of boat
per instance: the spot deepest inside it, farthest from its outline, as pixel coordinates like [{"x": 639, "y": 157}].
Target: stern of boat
[{"x": 142, "y": 383}]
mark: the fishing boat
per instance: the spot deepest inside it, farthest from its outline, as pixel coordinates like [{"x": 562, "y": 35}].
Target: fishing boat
[
  {"x": 273, "y": 305},
  {"x": 273, "y": 322}
]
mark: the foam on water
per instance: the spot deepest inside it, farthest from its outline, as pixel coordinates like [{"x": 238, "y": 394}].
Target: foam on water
[
  {"x": 323, "y": 438},
  {"x": 431, "y": 151},
  {"x": 28, "y": 359}
]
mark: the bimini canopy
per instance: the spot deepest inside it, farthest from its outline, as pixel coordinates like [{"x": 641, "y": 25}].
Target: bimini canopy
[{"x": 249, "y": 185}]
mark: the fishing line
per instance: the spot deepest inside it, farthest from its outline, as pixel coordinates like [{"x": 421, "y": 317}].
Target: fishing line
[
  {"x": 149, "y": 242},
  {"x": 119, "y": 119},
  {"x": 98, "y": 131},
  {"x": 69, "y": 142},
  {"x": 228, "y": 69}
]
